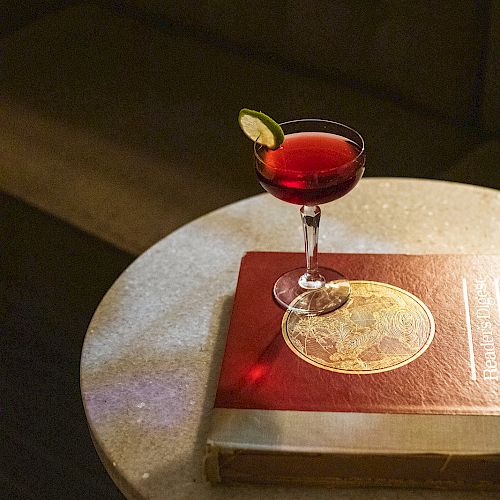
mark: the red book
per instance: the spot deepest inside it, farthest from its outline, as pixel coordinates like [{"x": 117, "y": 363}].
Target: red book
[{"x": 399, "y": 388}]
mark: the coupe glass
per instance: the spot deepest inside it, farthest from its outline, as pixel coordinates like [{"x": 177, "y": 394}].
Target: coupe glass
[{"x": 318, "y": 162}]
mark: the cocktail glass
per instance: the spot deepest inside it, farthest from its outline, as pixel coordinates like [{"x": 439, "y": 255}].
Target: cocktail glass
[{"x": 318, "y": 162}]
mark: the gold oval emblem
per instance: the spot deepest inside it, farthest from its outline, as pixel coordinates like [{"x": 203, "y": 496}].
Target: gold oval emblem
[{"x": 381, "y": 327}]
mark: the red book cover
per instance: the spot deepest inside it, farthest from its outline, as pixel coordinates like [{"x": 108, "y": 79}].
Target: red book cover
[
  {"x": 397, "y": 388},
  {"x": 457, "y": 374}
]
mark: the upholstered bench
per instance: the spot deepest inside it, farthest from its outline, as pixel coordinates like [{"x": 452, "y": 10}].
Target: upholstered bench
[{"x": 120, "y": 116}]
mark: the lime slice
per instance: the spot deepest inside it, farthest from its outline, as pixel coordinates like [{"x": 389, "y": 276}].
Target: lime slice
[{"x": 260, "y": 128}]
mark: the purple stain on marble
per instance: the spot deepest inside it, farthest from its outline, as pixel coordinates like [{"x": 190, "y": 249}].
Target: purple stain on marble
[{"x": 159, "y": 402}]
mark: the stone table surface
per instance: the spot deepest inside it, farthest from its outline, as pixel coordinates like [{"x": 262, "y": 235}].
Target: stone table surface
[{"x": 151, "y": 356}]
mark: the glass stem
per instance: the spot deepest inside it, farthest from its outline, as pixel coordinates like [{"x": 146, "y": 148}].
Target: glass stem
[{"x": 310, "y": 221}]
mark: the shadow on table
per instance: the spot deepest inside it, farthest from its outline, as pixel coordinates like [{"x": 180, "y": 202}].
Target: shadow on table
[
  {"x": 186, "y": 470},
  {"x": 219, "y": 326}
]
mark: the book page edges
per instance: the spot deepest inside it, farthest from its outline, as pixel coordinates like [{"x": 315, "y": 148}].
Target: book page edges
[{"x": 354, "y": 433}]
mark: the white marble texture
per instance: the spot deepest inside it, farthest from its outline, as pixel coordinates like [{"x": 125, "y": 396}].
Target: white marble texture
[{"x": 151, "y": 356}]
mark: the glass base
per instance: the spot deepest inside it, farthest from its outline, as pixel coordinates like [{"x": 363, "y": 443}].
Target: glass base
[{"x": 326, "y": 298}]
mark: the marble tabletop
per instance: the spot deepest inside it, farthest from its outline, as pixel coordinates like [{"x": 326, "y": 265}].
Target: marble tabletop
[{"x": 151, "y": 356}]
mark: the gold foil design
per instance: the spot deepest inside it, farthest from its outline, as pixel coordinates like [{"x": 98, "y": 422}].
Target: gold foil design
[{"x": 380, "y": 328}]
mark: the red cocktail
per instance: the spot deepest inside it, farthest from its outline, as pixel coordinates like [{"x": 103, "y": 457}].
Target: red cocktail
[
  {"x": 311, "y": 168},
  {"x": 318, "y": 162}
]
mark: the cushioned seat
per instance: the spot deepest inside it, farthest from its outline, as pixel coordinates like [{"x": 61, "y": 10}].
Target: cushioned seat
[{"x": 128, "y": 129}]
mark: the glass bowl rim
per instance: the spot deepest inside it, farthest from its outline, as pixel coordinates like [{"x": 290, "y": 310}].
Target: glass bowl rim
[{"x": 258, "y": 147}]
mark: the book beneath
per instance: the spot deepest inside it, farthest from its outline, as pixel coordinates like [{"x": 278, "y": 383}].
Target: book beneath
[{"x": 399, "y": 387}]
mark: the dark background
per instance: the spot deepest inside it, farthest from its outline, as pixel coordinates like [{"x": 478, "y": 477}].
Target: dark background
[{"x": 118, "y": 124}]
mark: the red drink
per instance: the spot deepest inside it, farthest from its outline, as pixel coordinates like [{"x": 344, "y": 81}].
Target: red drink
[{"x": 311, "y": 168}]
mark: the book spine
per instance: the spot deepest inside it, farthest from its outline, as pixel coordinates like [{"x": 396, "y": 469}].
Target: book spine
[{"x": 239, "y": 466}]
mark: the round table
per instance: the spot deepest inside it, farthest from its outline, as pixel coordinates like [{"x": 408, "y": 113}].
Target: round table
[{"x": 151, "y": 356}]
